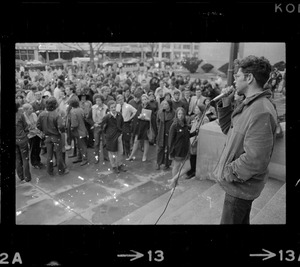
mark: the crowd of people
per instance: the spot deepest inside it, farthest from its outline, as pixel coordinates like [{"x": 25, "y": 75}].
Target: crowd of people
[{"x": 118, "y": 113}]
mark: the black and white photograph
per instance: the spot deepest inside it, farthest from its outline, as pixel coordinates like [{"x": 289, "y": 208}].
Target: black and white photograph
[{"x": 149, "y": 133}]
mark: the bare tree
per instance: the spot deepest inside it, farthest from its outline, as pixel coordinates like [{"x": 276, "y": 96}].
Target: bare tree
[
  {"x": 94, "y": 49},
  {"x": 153, "y": 49}
]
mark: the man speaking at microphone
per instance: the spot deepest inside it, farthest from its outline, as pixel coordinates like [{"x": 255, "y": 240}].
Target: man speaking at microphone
[{"x": 242, "y": 170}]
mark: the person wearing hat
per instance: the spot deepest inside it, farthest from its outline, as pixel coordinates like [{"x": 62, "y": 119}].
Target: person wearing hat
[{"x": 46, "y": 95}]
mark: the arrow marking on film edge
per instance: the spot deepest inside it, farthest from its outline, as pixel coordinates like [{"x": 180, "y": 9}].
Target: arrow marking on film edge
[
  {"x": 135, "y": 256},
  {"x": 269, "y": 255}
]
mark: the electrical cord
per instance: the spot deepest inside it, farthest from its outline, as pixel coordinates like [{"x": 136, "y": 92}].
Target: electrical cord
[{"x": 186, "y": 157}]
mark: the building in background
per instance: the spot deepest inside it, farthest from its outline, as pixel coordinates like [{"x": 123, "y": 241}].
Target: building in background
[
  {"x": 27, "y": 51},
  {"x": 215, "y": 53}
]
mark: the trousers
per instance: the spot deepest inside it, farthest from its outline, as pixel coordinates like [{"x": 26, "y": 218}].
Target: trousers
[
  {"x": 236, "y": 210},
  {"x": 35, "y": 150},
  {"x": 54, "y": 144},
  {"x": 22, "y": 161}
]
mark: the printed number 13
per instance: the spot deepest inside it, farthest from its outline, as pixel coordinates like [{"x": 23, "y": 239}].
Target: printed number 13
[
  {"x": 290, "y": 255},
  {"x": 159, "y": 255}
]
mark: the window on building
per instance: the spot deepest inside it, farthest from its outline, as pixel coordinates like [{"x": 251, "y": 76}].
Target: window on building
[
  {"x": 24, "y": 54},
  {"x": 18, "y": 54},
  {"x": 177, "y": 46},
  {"x": 30, "y": 54},
  {"x": 166, "y": 45},
  {"x": 186, "y": 47},
  {"x": 196, "y": 47}
]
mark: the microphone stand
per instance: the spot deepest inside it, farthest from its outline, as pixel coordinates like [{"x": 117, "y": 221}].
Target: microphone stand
[{"x": 164, "y": 143}]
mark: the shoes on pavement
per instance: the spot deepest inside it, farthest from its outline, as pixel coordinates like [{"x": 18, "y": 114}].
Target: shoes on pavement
[
  {"x": 116, "y": 170},
  {"x": 66, "y": 171},
  {"x": 190, "y": 176},
  {"x": 83, "y": 162},
  {"x": 130, "y": 159},
  {"x": 157, "y": 167},
  {"x": 40, "y": 164},
  {"x": 121, "y": 168},
  {"x": 77, "y": 160}
]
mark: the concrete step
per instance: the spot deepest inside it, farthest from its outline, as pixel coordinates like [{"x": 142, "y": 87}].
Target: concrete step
[
  {"x": 184, "y": 192},
  {"x": 205, "y": 208},
  {"x": 201, "y": 202},
  {"x": 274, "y": 212}
]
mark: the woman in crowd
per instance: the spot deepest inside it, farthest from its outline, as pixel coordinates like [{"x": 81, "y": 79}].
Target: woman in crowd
[
  {"x": 112, "y": 124},
  {"x": 143, "y": 125},
  {"x": 179, "y": 143},
  {"x": 195, "y": 124},
  {"x": 34, "y": 135},
  {"x": 168, "y": 96},
  {"x": 164, "y": 121}
]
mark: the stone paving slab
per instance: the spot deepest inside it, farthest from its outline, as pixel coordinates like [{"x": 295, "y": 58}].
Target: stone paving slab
[{"x": 46, "y": 211}]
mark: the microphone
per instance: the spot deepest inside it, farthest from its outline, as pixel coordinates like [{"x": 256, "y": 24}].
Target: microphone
[
  {"x": 220, "y": 96},
  {"x": 163, "y": 110}
]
